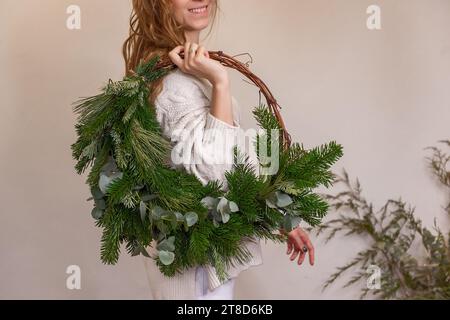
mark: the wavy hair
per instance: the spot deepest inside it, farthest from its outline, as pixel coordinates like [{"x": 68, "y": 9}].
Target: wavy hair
[{"x": 154, "y": 31}]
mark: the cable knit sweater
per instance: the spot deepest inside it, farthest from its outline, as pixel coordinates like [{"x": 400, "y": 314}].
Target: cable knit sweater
[{"x": 202, "y": 145}]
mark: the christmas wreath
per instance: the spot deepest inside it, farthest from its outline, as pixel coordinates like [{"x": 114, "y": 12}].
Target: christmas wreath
[{"x": 139, "y": 198}]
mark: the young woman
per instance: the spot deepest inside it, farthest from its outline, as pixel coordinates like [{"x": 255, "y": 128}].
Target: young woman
[{"x": 198, "y": 114}]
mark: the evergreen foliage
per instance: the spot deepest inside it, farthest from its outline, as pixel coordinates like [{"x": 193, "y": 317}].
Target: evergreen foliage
[{"x": 139, "y": 198}]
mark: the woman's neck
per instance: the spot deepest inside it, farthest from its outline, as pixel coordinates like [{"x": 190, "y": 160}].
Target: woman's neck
[{"x": 192, "y": 36}]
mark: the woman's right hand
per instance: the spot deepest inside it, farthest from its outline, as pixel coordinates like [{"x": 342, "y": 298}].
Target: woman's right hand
[
  {"x": 199, "y": 63},
  {"x": 299, "y": 244}
]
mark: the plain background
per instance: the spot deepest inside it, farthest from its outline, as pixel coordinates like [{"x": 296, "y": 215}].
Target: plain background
[{"x": 384, "y": 95}]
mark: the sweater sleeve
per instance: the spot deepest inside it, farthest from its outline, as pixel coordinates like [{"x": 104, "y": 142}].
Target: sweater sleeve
[{"x": 201, "y": 143}]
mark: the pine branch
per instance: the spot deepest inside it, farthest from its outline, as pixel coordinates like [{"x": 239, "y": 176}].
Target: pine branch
[
  {"x": 113, "y": 223},
  {"x": 265, "y": 119}
]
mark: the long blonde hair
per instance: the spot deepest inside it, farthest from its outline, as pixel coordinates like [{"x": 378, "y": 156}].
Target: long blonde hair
[{"x": 154, "y": 31}]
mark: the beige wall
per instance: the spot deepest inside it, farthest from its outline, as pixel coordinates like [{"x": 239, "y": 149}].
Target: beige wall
[{"x": 383, "y": 94}]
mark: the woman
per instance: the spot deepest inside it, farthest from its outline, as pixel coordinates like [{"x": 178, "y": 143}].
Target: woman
[{"x": 197, "y": 113}]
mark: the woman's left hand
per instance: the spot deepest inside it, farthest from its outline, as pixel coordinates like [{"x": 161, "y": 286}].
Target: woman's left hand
[{"x": 299, "y": 244}]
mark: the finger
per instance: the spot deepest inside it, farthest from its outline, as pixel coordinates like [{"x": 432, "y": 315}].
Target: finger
[
  {"x": 289, "y": 247},
  {"x": 193, "y": 54},
  {"x": 201, "y": 51},
  {"x": 310, "y": 249},
  {"x": 187, "y": 45},
  {"x": 311, "y": 252},
  {"x": 298, "y": 242},
  {"x": 174, "y": 55},
  {"x": 294, "y": 254},
  {"x": 301, "y": 258},
  {"x": 300, "y": 245}
]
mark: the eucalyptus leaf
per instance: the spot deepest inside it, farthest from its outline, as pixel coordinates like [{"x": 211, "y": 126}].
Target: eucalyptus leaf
[
  {"x": 157, "y": 212},
  {"x": 142, "y": 210},
  {"x": 97, "y": 213},
  {"x": 291, "y": 222},
  {"x": 209, "y": 202},
  {"x": 167, "y": 244},
  {"x": 110, "y": 166},
  {"x": 171, "y": 240},
  {"x": 97, "y": 193},
  {"x": 222, "y": 206},
  {"x": 283, "y": 199},
  {"x": 225, "y": 217},
  {"x": 106, "y": 180},
  {"x": 166, "y": 257},
  {"x": 100, "y": 203},
  {"x": 191, "y": 218},
  {"x": 180, "y": 217},
  {"x": 233, "y": 206},
  {"x": 216, "y": 215}
]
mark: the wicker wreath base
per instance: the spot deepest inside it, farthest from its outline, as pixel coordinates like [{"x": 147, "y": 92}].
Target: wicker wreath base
[{"x": 138, "y": 198}]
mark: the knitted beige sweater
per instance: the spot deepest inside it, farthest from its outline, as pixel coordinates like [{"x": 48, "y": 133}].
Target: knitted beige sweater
[{"x": 202, "y": 145}]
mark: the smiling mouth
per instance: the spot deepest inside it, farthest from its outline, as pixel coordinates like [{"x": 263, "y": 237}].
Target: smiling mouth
[{"x": 199, "y": 10}]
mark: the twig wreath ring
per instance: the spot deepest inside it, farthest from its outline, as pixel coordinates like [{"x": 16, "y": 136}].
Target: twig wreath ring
[{"x": 138, "y": 198}]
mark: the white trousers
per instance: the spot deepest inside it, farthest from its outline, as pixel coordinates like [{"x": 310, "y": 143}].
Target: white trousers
[{"x": 223, "y": 292}]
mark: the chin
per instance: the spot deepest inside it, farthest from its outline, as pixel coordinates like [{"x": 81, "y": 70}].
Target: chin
[{"x": 198, "y": 25}]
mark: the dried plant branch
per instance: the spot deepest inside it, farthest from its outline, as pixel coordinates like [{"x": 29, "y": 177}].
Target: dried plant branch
[{"x": 391, "y": 232}]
